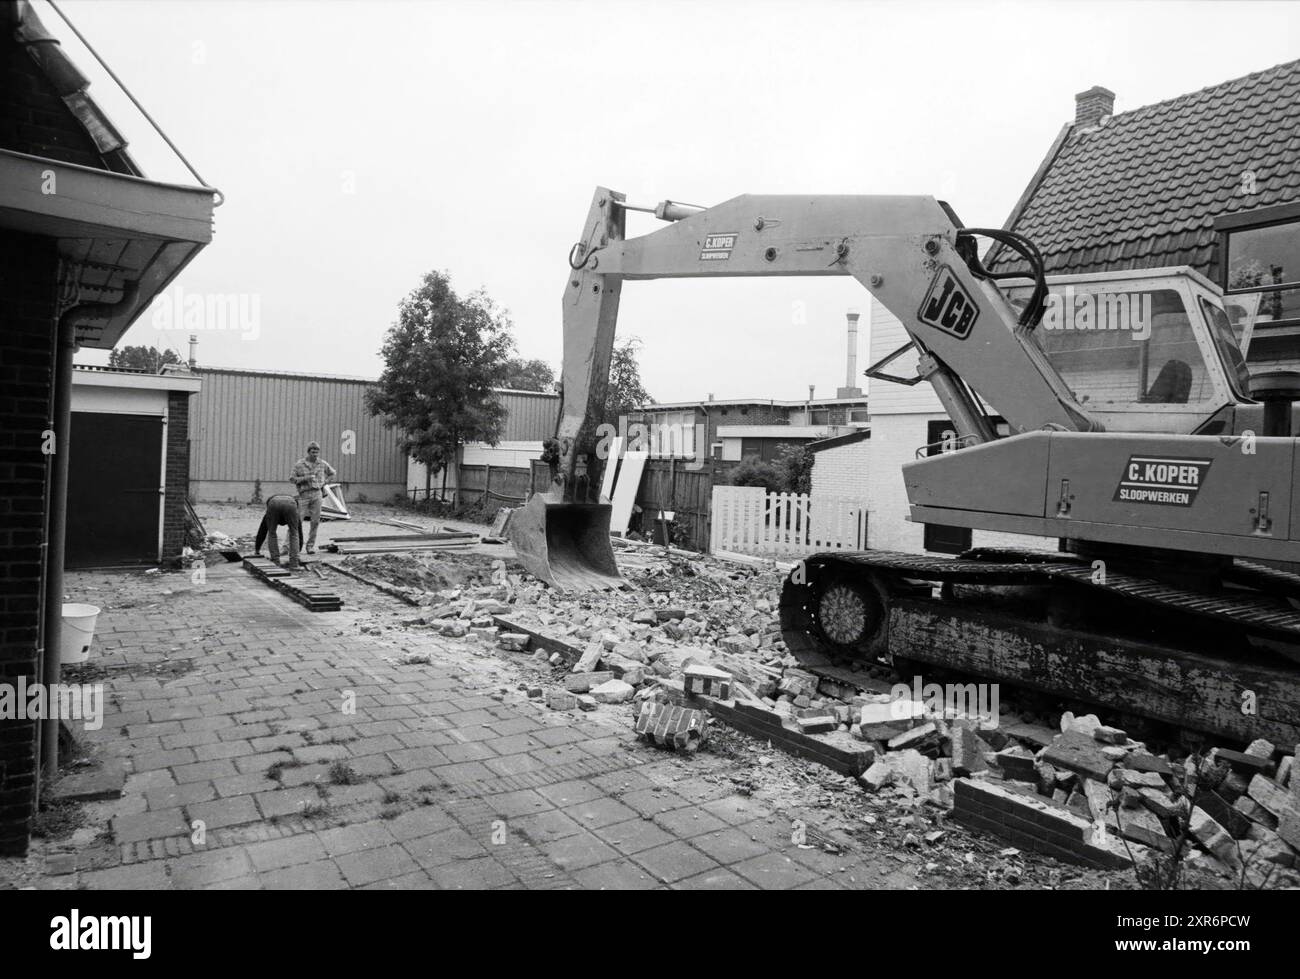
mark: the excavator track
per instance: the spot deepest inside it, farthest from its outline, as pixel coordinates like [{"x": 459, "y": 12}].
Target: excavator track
[
  {"x": 1252, "y": 611},
  {"x": 1196, "y": 656}
]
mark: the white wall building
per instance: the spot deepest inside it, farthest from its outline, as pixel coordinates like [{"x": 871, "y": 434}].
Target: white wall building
[{"x": 904, "y": 420}]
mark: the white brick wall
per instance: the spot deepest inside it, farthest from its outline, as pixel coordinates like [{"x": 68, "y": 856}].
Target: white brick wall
[
  {"x": 842, "y": 471},
  {"x": 894, "y": 441}
]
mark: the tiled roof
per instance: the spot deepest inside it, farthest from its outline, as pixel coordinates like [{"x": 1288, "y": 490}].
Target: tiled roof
[{"x": 1143, "y": 190}]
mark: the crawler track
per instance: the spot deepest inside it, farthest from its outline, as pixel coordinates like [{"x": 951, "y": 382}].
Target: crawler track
[{"x": 1184, "y": 656}]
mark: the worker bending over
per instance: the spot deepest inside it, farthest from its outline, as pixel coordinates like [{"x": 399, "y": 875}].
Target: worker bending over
[
  {"x": 310, "y": 474},
  {"x": 281, "y": 510}
]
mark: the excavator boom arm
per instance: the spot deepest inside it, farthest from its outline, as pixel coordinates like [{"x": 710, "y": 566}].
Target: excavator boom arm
[
  {"x": 902, "y": 249},
  {"x": 908, "y": 251}
]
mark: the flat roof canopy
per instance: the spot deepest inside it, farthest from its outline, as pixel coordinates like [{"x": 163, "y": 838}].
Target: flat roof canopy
[{"x": 113, "y": 230}]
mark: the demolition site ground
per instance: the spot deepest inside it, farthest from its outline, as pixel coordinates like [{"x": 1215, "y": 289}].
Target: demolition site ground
[{"x": 457, "y": 725}]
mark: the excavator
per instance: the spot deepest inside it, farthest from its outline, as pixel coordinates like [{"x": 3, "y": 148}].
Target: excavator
[{"x": 1112, "y": 414}]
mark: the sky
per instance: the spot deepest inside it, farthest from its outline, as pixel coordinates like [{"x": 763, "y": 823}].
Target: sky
[{"x": 361, "y": 144}]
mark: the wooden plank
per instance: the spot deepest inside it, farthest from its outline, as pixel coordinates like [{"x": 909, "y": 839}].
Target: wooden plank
[
  {"x": 626, "y": 490},
  {"x": 611, "y": 467},
  {"x": 1187, "y": 690}
]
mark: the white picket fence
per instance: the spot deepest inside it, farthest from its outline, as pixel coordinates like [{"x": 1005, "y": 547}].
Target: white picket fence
[{"x": 750, "y": 520}]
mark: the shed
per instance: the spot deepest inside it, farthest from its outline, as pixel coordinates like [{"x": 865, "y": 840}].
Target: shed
[{"x": 128, "y": 476}]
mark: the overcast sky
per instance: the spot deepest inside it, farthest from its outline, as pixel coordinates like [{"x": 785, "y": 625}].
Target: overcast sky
[{"x": 361, "y": 144}]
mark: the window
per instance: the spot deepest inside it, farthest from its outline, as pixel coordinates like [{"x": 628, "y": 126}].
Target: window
[
  {"x": 1136, "y": 348},
  {"x": 1229, "y": 343},
  {"x": 1261, "y": 254},
  {"x": 859, "y": 415}
]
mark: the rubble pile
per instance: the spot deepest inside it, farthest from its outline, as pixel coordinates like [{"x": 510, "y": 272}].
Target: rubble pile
[
  {"x": 1091, "y": 794},
  {"x": 699, "y": 639}
]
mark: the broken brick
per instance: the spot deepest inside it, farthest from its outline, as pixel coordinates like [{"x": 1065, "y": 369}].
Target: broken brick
[
  {"x": 703, "y": 680},
  {"x": 679, "y": 728},
  {"x": 613, "y": 692},
  {"x": 1080, "y": 753},
  {"x": 582, "y": 682}
]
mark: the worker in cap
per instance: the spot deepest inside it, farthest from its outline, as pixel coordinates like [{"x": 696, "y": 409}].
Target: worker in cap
[
  {"x": 310, "y": 474},
  {"x": 281, "y": 511}
]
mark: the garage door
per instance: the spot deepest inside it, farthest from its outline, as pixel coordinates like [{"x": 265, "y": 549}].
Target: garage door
[{"x": 114, "y": 497}]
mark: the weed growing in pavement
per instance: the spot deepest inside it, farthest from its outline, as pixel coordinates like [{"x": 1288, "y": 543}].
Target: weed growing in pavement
[
  {"x": 315, "y": 810},
  {"x": 341, "y": 773},
  {"x": 58, "y": 820}
]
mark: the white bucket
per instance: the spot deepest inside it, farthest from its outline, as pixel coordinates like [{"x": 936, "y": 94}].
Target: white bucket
[{"x": 78, "y": 632}]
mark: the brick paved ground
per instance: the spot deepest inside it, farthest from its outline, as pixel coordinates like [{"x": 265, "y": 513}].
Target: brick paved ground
[{"x": 227, "y": 707}]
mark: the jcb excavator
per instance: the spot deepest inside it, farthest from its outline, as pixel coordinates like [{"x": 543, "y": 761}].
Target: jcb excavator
[{"x": 1113, "y": 413}]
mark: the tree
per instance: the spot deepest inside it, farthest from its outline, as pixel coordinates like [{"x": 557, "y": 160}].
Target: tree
[
  {"x": 442, "y": 358},
  {"x": 529, "y": 375},
  {"x": 625, "y": 390},
  {"x": 753, "y": 471},
  {"x": 794, "y": 465},
  {"x": 142, "y": 358}
]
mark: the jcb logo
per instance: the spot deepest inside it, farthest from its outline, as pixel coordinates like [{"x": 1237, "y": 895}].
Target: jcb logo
[{"x": 948, "y": 306}]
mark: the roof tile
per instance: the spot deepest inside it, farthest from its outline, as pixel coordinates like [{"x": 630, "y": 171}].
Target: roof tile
[{"x": 1147, "y": 186}]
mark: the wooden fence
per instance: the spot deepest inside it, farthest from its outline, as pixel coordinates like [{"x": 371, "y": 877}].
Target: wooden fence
[{"x": 749, "y": 520}]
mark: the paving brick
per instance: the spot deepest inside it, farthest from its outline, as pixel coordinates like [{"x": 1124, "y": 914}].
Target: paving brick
[
  {"x": 674, "y": 861},
  {"x": 225, "y": 812},
  {"x": 600, "y": 812},
  {"x": 151, "y": 876},
  {"x": 172, "y": 796},
  {"x": 616, "y": 875},
  {"x": 634, "y": 835},
  {"x": 319, "y": 875},
  {"x": 729, "y": 846},
  {"x": 380, "y": 863},
  {"x": 204, "y": 771},
  {"x": 546, "y": 827},
  {"x": 567, "y": 793},
  {"x": 716, "y": 879},
  {"x": 514, "y": 765},
  {"x": 521, "y": 803},
  {"x": 360, "y": 836},
  {"x": 287, "y": 852},
  {"x": 419, "y": 822},
  {"x": 479, "y": 873},
  {"x": 205, "y": 868},
  {"x": 689, "y": 822},
  {"x": 574, "y": 852},
  {"x": 150, "y": 825},
  {"x": 287, "y": 802},
  {"x": 443, "y": 847}
]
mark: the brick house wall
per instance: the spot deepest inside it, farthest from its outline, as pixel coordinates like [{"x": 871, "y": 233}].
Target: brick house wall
[
  {"x": 28, "y": 305},
  {"x": 176, "y": 487},
  {"x": 33, "y": 120}
]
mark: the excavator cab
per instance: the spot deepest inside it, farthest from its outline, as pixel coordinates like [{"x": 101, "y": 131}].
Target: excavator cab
[{"x": 1145, "y": 350}]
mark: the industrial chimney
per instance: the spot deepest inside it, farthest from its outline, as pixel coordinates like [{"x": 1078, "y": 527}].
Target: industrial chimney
[
  {"x": 194, "y": 347},
  {"x": 851, "y": 389}
]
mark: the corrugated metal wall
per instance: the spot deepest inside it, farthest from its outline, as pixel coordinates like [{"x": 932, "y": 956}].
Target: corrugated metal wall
[
  {"x": 248, "y": 425},
  {"x": 531, "y": 415}
]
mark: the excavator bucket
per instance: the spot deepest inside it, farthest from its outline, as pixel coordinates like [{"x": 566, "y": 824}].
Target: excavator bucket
[{"x": 566, "y": 545}]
